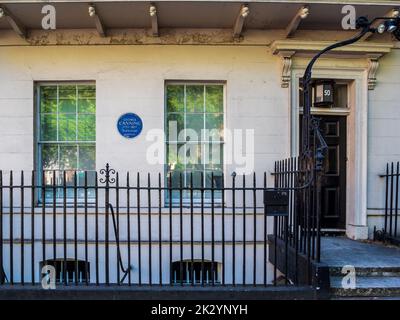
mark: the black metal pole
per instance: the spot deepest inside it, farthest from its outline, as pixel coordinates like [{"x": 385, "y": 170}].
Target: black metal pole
[
  {"x": 366, "y": 27},
  {"x": 312, "y": 156}
]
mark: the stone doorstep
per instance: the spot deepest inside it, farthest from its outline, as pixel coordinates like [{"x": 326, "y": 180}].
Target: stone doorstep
[
  {"x": 369, "y": 286},
  {"x": 368, "y": 271},
  {"x": 366, "y": 292}
]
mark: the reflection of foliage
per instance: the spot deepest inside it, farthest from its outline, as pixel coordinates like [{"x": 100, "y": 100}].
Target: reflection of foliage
[
  {"x": 87, "y": 157},
  {"x": 175, "y": 98},
  {"x": 174, "y": 125},
  {"x": 189, "y": 114},
  {"x": 48, "y": 127},
  {"x": 214, "y": 98},
  {"x": 50, "y": 156},
  {"x": 67, "y": 113},
  {"x": 203, "y": 111},
  {"x": 73, "y": 119},
  {"x": 175, "y": 160},
  {"x": 69, "y": 156},
  {"x": 194, "y": 98}
]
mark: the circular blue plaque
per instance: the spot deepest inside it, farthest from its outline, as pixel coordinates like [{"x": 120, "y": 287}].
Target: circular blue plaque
[{"x": 129, "y": 125}]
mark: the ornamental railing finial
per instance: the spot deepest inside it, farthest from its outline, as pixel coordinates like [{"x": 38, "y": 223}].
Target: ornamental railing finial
[{"x": 108, "y": 175}]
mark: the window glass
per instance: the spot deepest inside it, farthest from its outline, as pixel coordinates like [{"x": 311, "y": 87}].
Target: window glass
[
  {"x": 194, "y": 133},
  {"x": 67, "y": 135},
  {"x": 175, "y": 98}
]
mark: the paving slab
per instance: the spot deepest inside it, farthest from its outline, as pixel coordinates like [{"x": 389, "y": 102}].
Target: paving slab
[{"x": 340, "y": 251}]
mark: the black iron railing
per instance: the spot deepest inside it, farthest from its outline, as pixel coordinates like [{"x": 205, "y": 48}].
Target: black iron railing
[
  {"x": 300, "y": 230},
  {"x": 302, "y": 223},
  {"x": 94, "y": 229},
  {"x": 390, "y": 231}
]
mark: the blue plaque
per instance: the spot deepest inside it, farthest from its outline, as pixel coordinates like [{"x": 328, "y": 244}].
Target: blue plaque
[{"x": 129, "y": 125}]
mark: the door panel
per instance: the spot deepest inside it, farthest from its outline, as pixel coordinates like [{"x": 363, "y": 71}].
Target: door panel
[{"x": 333, "y": 190}]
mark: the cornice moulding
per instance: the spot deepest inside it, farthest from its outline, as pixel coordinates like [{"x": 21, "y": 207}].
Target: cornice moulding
[{"x": 302, "y": 47}]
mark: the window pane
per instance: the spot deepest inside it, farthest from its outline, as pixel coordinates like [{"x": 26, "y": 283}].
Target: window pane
[
  {"x": 177, "y": 178},
  {"x": 175, "y": 125},
  {"x": 176, "y": 156},
  {"x": 91, "y": 180},
  {"x": 194, "y": 98},
  {"x": 193, "y": 178},
  {"x": 67, "y": 127},
  {"x": 48, "y": 127},
  {"x": 50, "y": 178},
  {"x": 340, "y": 96},
  {"x": 80, "y": 177},
  {"x": 215, "y": 126},
  {"x": 67, "y": 99},
  {"x": 48, "y": 99},
  {"x": 214, "y": 155},
  {"x": 86, "y": 127},
  {"x": 173, "y": 180},
  {"x": 70, "y": 181},
  {"x": 213, "y": 180},
  {"x": 87, "y": 106},
  {"x": 214, "y": 98},
  {"x": 213, "y": 176},
  {"x": 194, "y": 126},
  {"x": 197, "y": 178},
  {"x": 50, "y": 157},
  {"x": 175, "y": 98},
  {"x": 86, "y": 91},
  {"x": 86, "y": 99},
  {"x": 194, "y": 159},
  {"x": 68, "y": 157},
  {"x": 87, "y": 156}
]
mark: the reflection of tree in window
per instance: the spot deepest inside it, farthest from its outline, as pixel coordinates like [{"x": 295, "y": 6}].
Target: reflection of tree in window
[
  {"x": 194, "y": 131},
  {"x": 67, "y": 133}
]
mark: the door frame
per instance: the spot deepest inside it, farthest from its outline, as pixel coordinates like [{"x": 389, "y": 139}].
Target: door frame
[{"x": 357, "y": 121}]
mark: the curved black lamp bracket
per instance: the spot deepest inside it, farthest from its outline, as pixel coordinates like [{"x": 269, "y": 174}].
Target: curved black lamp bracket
[{"x": 313, "y": 157}]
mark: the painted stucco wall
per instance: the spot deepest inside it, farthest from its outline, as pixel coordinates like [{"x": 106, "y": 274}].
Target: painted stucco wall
[
  {"x": 383, "y": 132},
  {"x": 131, "y": 79}
]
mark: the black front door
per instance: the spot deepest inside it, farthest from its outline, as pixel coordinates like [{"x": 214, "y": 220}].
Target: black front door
[{"x": 333, "y": 192}]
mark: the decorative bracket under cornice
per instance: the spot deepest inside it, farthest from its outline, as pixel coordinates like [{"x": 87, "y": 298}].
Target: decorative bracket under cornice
[
  {"x": 287, "y": 49},
  {"x": 286, "y": 67},
  {"x": 373, "y": 65}
]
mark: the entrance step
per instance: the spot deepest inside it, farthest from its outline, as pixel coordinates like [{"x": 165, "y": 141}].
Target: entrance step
[
  {"x": 377, "y": 268},
  {"x": 367, "y": 286},
  {"x": 368, "y": 272}
]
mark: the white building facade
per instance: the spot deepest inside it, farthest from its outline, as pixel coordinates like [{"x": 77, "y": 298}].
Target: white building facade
[{"x": 63, "y": 91}]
